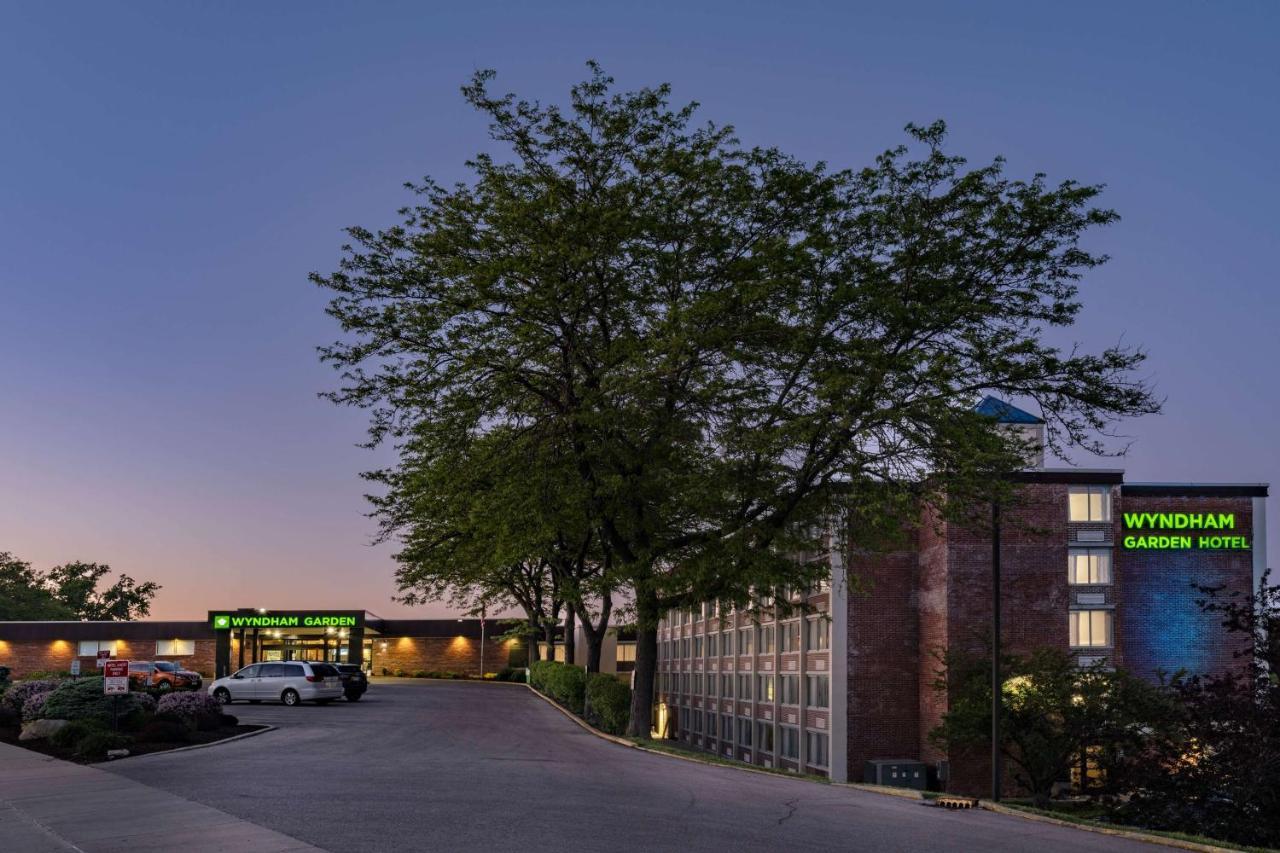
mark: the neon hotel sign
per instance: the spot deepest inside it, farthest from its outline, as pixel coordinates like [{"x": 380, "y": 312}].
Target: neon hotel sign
[
  {"x": 1206, "y": 531},
  {"x": 225, "y": 621}
]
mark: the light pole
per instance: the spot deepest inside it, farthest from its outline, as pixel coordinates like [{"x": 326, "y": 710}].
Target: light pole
[
  {"x": 996, "y": 768},
  {"x": 482, "y": 614}
]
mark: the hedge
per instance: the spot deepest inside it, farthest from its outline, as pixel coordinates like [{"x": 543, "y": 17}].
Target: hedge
[
  {"x": 608, "y": 703},
  {"x": 82, "y": 699},
  {"x": 565, "y": 683}
]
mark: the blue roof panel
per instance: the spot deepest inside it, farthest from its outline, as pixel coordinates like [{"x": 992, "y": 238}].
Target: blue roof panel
[{"x": 1005, "y": 413}]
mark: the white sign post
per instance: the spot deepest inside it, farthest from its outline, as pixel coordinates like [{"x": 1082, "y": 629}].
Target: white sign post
[{"x": 75, "y": 666}]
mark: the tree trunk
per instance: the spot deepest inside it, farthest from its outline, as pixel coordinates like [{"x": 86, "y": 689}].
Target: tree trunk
[
  {"x": 595, "y": 634},
  {"x": 531, "y": 638},
  {"x": 549, "y": 634},
  {"x": 570, "y": 641},
  {"x": 647, "y": 615}
]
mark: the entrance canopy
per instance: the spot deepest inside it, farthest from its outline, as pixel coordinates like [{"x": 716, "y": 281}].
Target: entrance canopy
[{"x": 261, "y": 634}]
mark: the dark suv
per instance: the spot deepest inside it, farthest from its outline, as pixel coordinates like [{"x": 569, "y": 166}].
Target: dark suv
[{"x": 354, "y": 681}]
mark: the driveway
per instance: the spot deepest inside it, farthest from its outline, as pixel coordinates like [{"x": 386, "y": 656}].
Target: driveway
[{"x": 431, "y": 765}]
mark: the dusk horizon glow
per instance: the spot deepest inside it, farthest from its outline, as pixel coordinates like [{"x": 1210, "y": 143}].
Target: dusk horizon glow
[{"x": 173, "y": 174}]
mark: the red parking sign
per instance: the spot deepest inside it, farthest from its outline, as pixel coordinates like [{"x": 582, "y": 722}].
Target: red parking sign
[{"x": 116, "y": 669}]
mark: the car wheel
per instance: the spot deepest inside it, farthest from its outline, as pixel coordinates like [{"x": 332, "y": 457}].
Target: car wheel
[
  {"x": 353, "y": 697},
  {"x": 164, "y": 687},
  {"x": 222, "y": 695},
  {"x": 290, "y": 697}
]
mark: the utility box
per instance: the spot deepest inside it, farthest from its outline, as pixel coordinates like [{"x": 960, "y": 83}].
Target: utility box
[{"x": 896, "y": 772}]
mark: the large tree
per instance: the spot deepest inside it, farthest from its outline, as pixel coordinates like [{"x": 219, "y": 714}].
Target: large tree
[
  {"x": 715, "y": 340},
  {"x": 71, "y": 591}
]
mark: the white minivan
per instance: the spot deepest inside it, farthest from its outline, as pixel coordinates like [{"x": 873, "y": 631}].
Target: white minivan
[{"x": 289, "y": 682}]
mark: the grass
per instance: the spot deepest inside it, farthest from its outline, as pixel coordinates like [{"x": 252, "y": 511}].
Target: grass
[{"x": 1088, "y": 814}]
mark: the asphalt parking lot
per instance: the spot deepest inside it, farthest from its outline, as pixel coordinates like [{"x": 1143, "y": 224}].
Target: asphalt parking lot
[{"x": 422, "y": 765}]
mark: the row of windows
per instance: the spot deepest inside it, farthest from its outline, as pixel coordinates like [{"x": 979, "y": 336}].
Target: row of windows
[
  {"x": 817, "y": 688},
  {"x": 817, "y": 638},
  {"x": 90, "y": 648},
  {"x": 713, "y": 609},
  {"x": 758, "y": 735}
]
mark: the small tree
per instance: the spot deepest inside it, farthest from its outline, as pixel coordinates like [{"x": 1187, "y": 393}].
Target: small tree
[
  {"x": 1054, "y": 714},
  {"x": 70, "y": 591}
]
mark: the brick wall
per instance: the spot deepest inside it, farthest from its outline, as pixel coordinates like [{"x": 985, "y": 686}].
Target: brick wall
[
  {"x": 24, "y": 656},
  {"x": 440, "y": 654}
]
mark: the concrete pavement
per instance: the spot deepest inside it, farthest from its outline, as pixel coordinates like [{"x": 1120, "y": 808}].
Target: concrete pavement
[
  {"x": 422, "y": 765},
  {"x": 53, "y": 806}
]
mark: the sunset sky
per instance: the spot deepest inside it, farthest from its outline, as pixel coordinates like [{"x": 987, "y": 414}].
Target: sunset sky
[{"x": 172, "y": 172}]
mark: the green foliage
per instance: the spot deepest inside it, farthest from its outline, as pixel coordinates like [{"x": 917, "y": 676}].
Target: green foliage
[
  {"x": 419, "y": 673},
  {"x": 82, "y": 699},
  {"x": 1052, "y": 710},
  {"x": 565, "y": 683},
  {"x": 73, "y": 732},
  {"x": 675, "y": 352},
  {"x": 608, "y": 703},
  {"x": 70, "y": 591},
  {"x": 509, "y": 674},
  {"x": 96, "y": 744}
]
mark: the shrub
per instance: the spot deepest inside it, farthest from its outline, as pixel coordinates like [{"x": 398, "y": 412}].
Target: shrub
[
  {"x": 229, "y": 719},
  {"x": 509, "y": 674},
  {"x": 164, "y": 731},
  {"x": 34, "y": 705},
  {"x": 82, "y": 699},
  {"x": 420, "y": 673},
  {"x": 565, "y": 683},
  {"x": 9, "y": 718},
  {"x": 42, "y": 674},
  {"x": 191, "y": 705},
  {"x": 17, "y": 695},
  {"x": 95, "y": 744},
  {"x": 399, "y": 673},
  {"x": 72, "y": 733},
  {"x": 608, "y": 703}
]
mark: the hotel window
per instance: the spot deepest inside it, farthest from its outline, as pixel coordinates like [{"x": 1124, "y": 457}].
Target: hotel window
[
  {"x": 744, "y": 731},
  {"x": 819, "y": 630},
  {"x": 789, "y": 741},
  {"x": 697, "y": 722},
  {"x": 764, "y": 736},
  {"x": 744, "y": 686},
  {"x": 712, "y": 641},
  {"x": 726, "y": 727},
  {"x": 1090, "y": 628},
  {"x": 1089, "y": 503},
  {"x": 726, "y": 686},
  {"x": 711, "y": 724},
  {"x": 1089, "y": 565},
  {"x": 90, "y": 648},
  {"x": 790, "y": 636},
  {"x": 744, "y": 641},
  {"x": 816, "y": 749},
  {"x": 697, "y": 646},
  {"x": 684, "y": 647},
  {"x": 684, "y": 682},
  {"x": 697, "y": 683},
  {"x": 626, "y": 652},
  {"x": 175, "y": 647},
  {"x": 817, "y": 691},
  {"x": 726, "y": 643},
  {"x": 789, "y": 688},
  {"x": 766, "y": 639},
  {"x": 764, "y": 685}
]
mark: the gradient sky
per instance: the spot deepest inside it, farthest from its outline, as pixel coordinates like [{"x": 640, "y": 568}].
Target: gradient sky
[{"x": 170, "y": 173}]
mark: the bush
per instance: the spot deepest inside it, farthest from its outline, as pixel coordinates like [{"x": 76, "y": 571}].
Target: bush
[
  {"x": 608, "y": 703},
  {"x": 42, "y": 674},
  {"x": 34, "y": 705},
  {"x": 9, "y": 718},
  {"x": 95, "y": 744},
  {"x": 164, "y": 731},
  {"x": 419, "y": 673},
  {"x": 82, "y": 699},
  {"x": 191, "y": 705},
  {"x": 229, "y": 720},
  {"x": 72, "y": 733},
  {"x": 565, "y": 683},
  {"x": 17, "y": 695},
  {"x": 399, "y": 673},
  {"x": 509, "y": 674}
]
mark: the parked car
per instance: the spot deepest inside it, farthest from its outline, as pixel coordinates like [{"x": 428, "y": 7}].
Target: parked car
[
  {"x": 290, "y": 682},
  {"x": 354, "y": 681},
  {"x": 162, "y": 675}
]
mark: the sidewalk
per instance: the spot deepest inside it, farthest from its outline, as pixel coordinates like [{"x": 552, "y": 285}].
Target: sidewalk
[{"x": 53, "y": 806}]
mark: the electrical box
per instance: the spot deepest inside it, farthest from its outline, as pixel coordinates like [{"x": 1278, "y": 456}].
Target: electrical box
[{"x": 896, "y": 772}]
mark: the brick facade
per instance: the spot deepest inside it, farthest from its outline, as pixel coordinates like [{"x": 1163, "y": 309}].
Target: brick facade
[{"x": 438, "y": 654}]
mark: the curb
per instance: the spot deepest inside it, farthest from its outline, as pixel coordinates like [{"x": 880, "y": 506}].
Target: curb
[
  {"x": 241, "y": 736},
  {"x": 1131, "y": 834}
]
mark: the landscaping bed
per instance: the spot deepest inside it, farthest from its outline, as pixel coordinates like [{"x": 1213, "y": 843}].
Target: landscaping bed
[{"x": 9, "y": 735}]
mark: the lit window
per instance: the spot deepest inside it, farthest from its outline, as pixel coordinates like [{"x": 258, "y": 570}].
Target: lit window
[
  {"x": 1090, "y": 628},
  {"x": 175, "y": 647},
  {"x": 1089, "y": 565},
  {"x": 789, "y": 688},
  {"x": 90, "y": 648},
  {"x": 817, "y": 691},
  {"x": 789, "y": 741},
  {"x": 816, "y": 749},
  {"x": 764, "y": 684},
  {"x": 819, "y": 631},
  {"x": 1089, "y": 503}
]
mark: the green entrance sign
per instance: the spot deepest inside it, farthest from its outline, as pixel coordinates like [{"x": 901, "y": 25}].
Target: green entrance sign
[
  {"x": 1140, "y": 532},
  {"x": 229, "y": 621}
]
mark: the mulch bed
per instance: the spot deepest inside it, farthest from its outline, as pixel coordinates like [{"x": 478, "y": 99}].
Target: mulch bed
[{"x": 10, "y": 735}]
